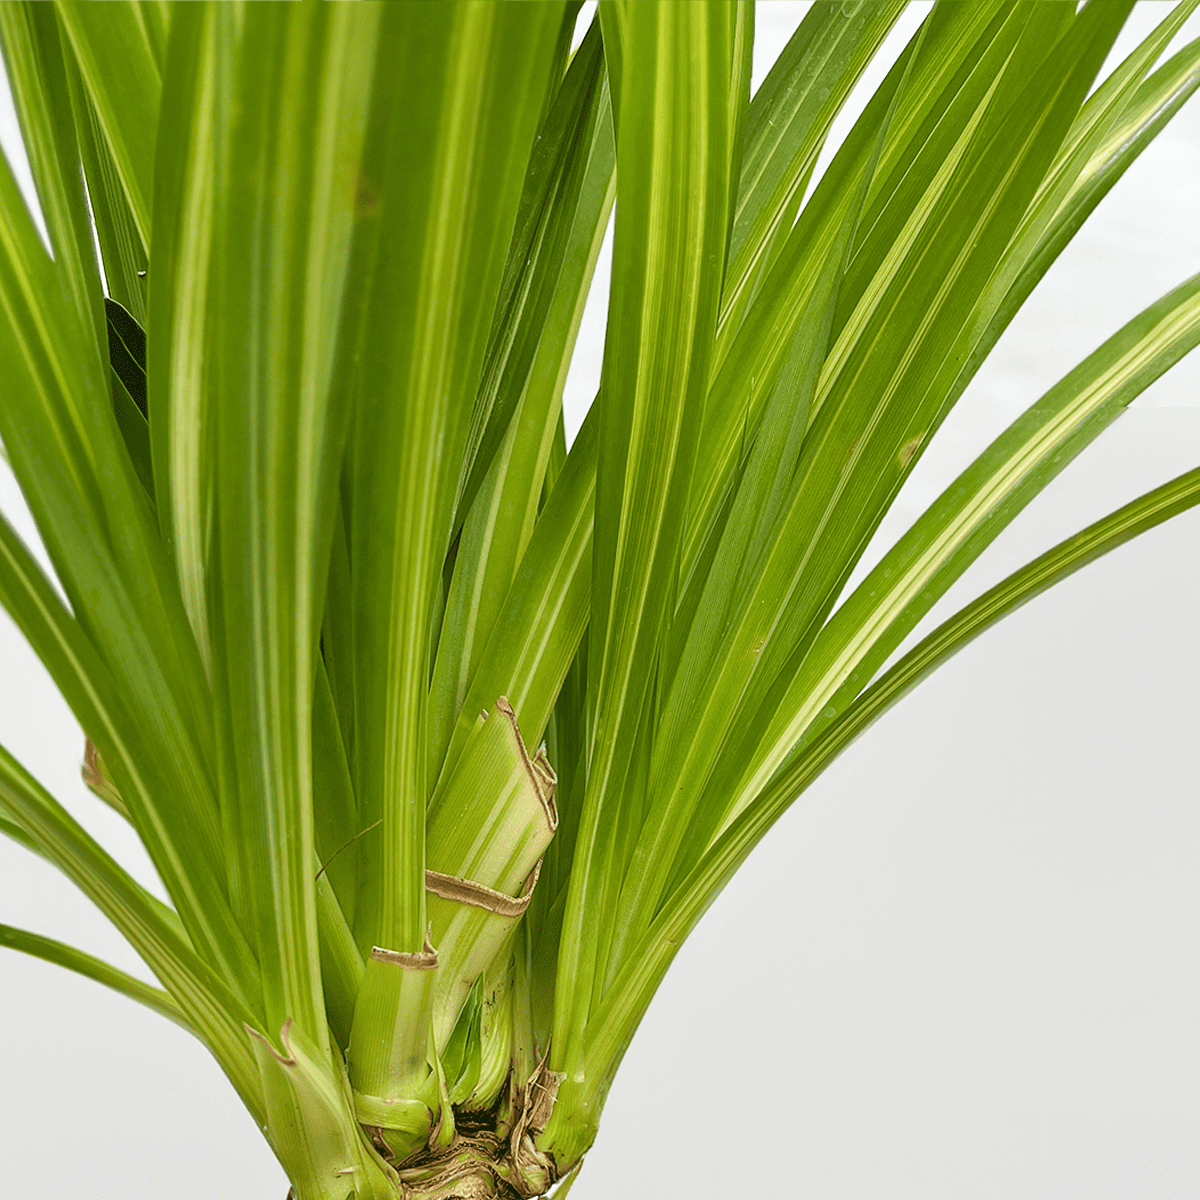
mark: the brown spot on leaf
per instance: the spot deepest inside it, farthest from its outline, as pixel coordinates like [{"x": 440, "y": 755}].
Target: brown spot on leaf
[
  {"x": 909, "y": 449},
  {"x": 367, "y": 200}
]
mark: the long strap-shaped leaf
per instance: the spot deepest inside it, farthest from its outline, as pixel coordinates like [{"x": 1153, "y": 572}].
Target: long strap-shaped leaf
[
  {"x": 541, "y": 664},
  {"x": 545, "y": 615},
  {"x": 116, "y": 56},
  {"x": 16, "y": 832},
  {"x": 749, "y": 360},
  {"x": 459, "y": 91},
  {"x": 769, "y": 533},
  {"x": 550, "y": 598},
  {"x": 182, "y": 434},
  {"x": 123, "y": 250},
  {"x": 528, "y": 377},
  {"x": 1119, "y": 120},
  {"x": 788, "y": 121},
  {"x": 90, "y": 967},
  {"x": 614, "y": 1023},
  {"x": 733, "y": 610},
  {"x": 65, "y": 447},
  {"x": 213, "y": 1011},
  {"x": 37, "y": 73},
  {"x": 299, "y": 90},
  {"x": 545, "y": 214},
  {"x": 760, "y": 580},
  {"x": 184, "y": 846},
  {"x": 674, "y": 163},
  {"x": 60, "y": 431},
  {"x": 967, "y": 517},
  {"x": 892, "y": 372}
]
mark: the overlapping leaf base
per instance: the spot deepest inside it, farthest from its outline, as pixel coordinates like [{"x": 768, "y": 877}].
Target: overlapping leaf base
[
  {"x": 324, "y": 570},
  {"x": 492, "y": 1154}
]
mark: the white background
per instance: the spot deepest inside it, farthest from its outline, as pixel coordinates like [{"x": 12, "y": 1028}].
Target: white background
[{"x": 964, "y": 966}]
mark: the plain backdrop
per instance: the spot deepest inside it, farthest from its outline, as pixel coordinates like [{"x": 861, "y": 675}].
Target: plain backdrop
[{"x": 965, "y": 964}]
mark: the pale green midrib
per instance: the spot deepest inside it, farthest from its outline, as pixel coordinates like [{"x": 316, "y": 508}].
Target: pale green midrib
[
  {"x": 688, "y": 301},
  {"x": 581, "y": 964},
  {"x": 187, "y": 898},
  {"x": 551, "y": 607},
  {"x": 472, "y": 650},
  {"x": 404, "y": 871},
  {"x": 126, "y": 175},
  {"x": 145, "y": 32},
  {"x": 759, "y": 237},
  {"x": 185, "y": 483},
  {"x": 467, "y": 655},
  {"x": 874, "y": 294},
  {"x": 28, "y": 294},
  {"x": 612, "y": 1022},
  {"x": 615, "y": 685},
  {"x": 327, "y": 219},
  {"x": 847, "y": 475},
  {"x": 910, "y": 583}
]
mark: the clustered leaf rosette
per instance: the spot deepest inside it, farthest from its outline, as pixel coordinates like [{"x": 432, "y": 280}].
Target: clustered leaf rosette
[{"x": 322, "y": 566}]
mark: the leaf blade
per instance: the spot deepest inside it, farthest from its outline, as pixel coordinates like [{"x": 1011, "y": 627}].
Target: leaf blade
[{"x": 117, "y": 62}]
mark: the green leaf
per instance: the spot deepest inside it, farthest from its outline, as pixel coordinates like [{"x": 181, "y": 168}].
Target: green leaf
[
  {"x": 567, "y": 201},
  {"x": 732, "y": 614},
  {"x": 155, "y": 19},
  {"x": 93, "y": 514},
  {"x": 674, "y": 78},
  {"x": 744, "y": 378},
  {"x": 341, "y": 964},
  {"x": 285, "y": 219},
  {"x": 335, "y": 808},
  {"x": 458, "y": 93},
  {"x": 614, "y": 1023},
  {"x": 562, "y": 202},
  {"x": 464, "y": 88},
  {"x": 127, "y": 363},
  {"x": 398, "y": 1089},
  {"x": 323, "y": 514},
  {"x": 123, "y": 251},
  {"x": 183, "y": 841},
  {"x": 544, "y": 617},
  {"x": 65, "y": 448},
  {"x": 115, "y": 50},
  {"x": 311, "y": 1120},
  {"x": 788, "y": 121},
  {"x": 91, "y": 967},
  {"x": 489, "y": 825},
  {"x": 127, "y": 352},
  {"x": 14, "y": 832},
  {"x": 39, "y": 80},
  {"x": 1119, "y": 120},
  {"x": 966, "y": 518},
  {"x": 178, "y": 383},
  {"x": 893, "y": 371},
  {"x": 337, "y": 640},
  {"x": 212, "y": 1010}
]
